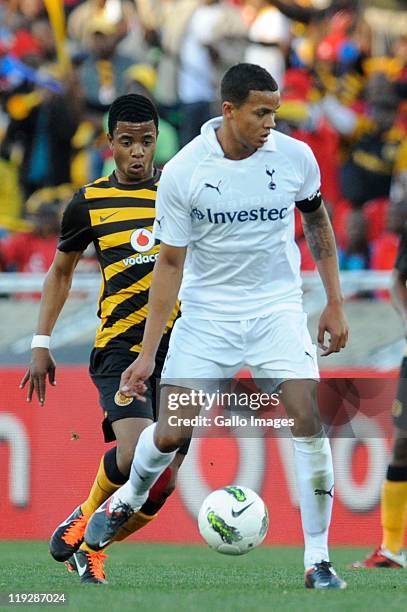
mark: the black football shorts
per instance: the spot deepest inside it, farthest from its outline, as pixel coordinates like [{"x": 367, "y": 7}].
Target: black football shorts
[{"x": 106, "y": 367}]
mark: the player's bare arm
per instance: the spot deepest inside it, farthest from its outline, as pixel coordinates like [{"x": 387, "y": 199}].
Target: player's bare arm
[
  {"x": 399, "y": 294},
  {"x": 163, "y": 295},
  {"x": 56, "y": 288},
  {"x": 321, "y": 242}
]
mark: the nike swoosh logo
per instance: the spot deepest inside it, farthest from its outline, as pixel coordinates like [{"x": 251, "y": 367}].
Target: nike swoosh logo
[
  {"x": 104, "y": 543},
  {"x": 103, "y": 219},
  {"x": 237, "y": 513},
  {"x": 81, "y": 568},
  {"x": 67, "y": 521}
]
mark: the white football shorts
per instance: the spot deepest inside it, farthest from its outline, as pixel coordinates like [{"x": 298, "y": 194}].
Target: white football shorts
[{"x": 274, "y": 346}]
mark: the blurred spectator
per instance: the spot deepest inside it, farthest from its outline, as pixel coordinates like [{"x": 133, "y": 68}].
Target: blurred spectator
[
  {"x": 196, "y": 70},
  {"x": 373, "y": 152},
  {"x": 269, "y": 37},
  {"x": 191, "y": 33},
  {"x": 356, "y": 254},
  {"x": 117, "y": 13},
  {"x": 369, "y": 128},
  {"x": 170, "y": 20},
  {"x": 128, "y": 30},
  {"x": 376, "y": 212},
  {"x": 102, "y": 72},
  {"x": 42, "y": 32},
  {"x": 21, "y": 13},
  {"x": 384, "y": 249},
  {"x": 69, "y": 5},
  {"x": 43, "y": 131},
  {"x": 306, "y": 13},
  {"x": 34, "y": 251},
  {"x": 197, "y": 61}
]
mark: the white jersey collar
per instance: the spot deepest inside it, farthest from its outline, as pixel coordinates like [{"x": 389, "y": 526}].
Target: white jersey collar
[{"x": 208, "y": 133}]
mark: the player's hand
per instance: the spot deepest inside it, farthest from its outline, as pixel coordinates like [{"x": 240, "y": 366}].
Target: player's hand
[
  {"x": 133, "y": 379},
  {"x": 333, "y": 322},
  {"x": 42, "y": 364}
]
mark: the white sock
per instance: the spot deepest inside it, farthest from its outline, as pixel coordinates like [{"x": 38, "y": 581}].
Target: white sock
[
  {"x": 315, "y": 480},
  {"x": 148, "y": 464}
]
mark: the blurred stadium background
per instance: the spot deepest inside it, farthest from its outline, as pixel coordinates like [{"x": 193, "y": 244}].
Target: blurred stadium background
[{"x": 342, "y": 68}]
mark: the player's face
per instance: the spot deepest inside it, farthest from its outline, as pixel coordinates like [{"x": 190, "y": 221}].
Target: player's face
[
  {"x": 252, "y": 122},
  {"x": 133, "y": 147}
]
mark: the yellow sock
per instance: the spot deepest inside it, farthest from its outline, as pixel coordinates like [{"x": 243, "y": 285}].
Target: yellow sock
[
  {"x": 102, "y": 488},
  {"x": 136, "y": 522},
  {"x": 393, "y": 514},
  {"x": 86, "y": 548}
]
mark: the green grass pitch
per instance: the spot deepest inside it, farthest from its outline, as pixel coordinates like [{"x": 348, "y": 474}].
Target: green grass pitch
[{"x": 155, "y": 578}]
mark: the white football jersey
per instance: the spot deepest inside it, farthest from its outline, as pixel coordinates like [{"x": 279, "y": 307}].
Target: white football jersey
[{"x": 237, "y": 219}]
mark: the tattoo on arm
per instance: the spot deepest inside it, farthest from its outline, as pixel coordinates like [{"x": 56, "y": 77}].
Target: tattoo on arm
[{"x": 318, "y": 234}]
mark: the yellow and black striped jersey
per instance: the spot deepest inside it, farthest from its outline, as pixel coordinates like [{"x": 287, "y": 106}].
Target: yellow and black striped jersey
[{"x": 118, "y": 219}]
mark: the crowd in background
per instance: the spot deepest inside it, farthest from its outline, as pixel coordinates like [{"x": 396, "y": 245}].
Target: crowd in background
[{"x": 341, "y": 66}]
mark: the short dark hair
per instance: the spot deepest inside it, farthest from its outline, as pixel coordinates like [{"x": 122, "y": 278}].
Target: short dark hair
[
  {"x": 241, "y": 79},
  {"x": 133, "y": 108}
]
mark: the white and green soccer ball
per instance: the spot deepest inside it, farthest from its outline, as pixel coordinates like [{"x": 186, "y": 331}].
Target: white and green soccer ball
[{"x": 233, "y": 520}]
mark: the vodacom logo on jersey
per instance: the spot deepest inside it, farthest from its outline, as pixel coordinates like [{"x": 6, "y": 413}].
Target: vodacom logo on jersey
[{"x": 142, "y": 240}]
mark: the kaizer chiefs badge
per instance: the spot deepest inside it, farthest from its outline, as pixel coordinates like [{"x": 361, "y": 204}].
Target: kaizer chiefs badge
[
  {"x": 397, "y": 408},
  {"x": 122, "y": 400}
]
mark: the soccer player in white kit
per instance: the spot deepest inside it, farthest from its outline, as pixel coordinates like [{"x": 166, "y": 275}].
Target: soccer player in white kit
[{"x": 225, "y": 219}]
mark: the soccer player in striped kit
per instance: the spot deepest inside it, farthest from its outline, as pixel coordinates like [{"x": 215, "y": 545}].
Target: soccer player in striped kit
[{"x": 116, "y": 214}]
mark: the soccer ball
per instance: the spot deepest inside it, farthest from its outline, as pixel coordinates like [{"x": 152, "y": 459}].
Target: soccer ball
[{"x": 233, "y": 520}]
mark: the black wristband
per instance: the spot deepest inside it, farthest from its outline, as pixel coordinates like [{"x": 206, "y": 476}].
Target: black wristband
[{"x": 396, "y": 473}]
